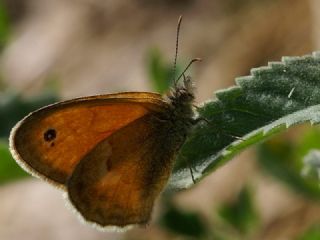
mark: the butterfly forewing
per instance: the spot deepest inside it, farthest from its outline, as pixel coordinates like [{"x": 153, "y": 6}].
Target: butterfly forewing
[{"x": 51, "y": 141}]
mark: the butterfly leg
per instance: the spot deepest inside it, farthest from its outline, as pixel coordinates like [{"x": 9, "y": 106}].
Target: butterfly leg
[
  {"x": 223, "y": 132},
  {"x": 192, "y": 177},
  {"x": 190, "y": 168}
]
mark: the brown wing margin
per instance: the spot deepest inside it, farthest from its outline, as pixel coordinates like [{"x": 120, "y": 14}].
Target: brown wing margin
[{"x": 76, "y": 127}]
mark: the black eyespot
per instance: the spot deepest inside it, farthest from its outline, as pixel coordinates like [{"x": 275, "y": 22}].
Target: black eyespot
[{"x": 50, "y": 135}]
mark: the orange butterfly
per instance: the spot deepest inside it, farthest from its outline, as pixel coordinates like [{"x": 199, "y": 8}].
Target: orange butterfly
[{"x": 113, "y": 154}]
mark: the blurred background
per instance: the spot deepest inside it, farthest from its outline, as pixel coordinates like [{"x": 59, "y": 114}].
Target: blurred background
[{"x": 55, "y": 49}]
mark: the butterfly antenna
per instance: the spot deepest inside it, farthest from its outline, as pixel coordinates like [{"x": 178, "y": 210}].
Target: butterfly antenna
[
  {"x": 176, "y": 53},
  {"x": 187, "y": 67}
]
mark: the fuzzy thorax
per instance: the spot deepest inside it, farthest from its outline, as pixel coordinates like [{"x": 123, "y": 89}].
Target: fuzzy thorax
[{"x": 180, "y": 100}]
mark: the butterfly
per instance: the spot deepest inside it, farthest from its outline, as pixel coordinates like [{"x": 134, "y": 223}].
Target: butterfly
[{"x": 112, "y": 154}]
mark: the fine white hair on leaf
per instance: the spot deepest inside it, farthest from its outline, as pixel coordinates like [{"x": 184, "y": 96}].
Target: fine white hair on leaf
[{"x": 291, "y": 92}]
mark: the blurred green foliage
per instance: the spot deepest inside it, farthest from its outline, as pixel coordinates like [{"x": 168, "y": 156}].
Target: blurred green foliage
[
  {"x": 4, "y": 26},
  {"x": 183, "y": 222},
  {"x": 283, "y": 158},
  {"x": 240, "y": 220},
  {"x": 4, "y": 32},
  {"x": 311, "y": 234},
  {"x": 160, "y": 73},
  {"x": 311, "y": 168},
  {"x": 9, "y": 169},
  {"x": 13, "y": 108},
  {"x": 308, "y": 139},
  {"x": 240, "y": 214}
]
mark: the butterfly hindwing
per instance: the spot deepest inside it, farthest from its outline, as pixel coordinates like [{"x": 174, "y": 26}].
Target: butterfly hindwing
[{"x": 118, "y": 181}]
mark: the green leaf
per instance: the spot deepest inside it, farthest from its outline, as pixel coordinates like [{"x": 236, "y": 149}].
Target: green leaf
[
  {"x": 240, "y": 214},
  {"x": 183, "y": 222},
  {"x": 269, "y": 101},
  {"x": 9, "y": 169}
]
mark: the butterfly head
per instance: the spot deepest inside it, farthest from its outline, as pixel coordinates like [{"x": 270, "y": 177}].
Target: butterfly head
[
  {"x": 188, "y": 86},
  {"x": 181, "y": 99},
  {"x": 183, "y": 93}
]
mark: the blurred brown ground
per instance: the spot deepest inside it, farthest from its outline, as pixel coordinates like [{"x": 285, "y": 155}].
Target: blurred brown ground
[{"x": 94, "y": 47}]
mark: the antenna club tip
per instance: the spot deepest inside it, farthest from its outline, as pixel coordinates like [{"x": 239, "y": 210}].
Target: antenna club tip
[
  {"x": 180, "y": 19},
  {"x": 197, "y": 60}
]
